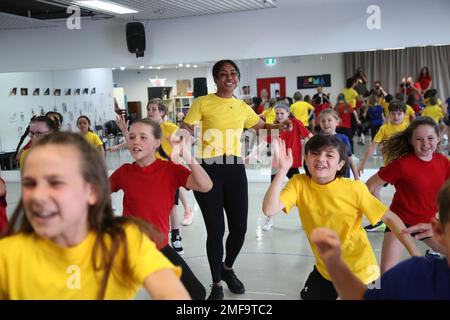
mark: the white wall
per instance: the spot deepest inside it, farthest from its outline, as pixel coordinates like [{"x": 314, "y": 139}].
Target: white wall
[
  {"x": 291, "y": 68},
  {"x": 17, "y": 110},
  {"x": 136, "y": 82},
  {"x": 293, "y": 28}
]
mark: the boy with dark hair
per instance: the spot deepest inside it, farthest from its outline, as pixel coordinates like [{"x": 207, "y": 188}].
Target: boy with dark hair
[{"x": 417, "y": 278}]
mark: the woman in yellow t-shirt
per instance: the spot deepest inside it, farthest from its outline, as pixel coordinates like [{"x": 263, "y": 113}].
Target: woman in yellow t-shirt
[
  {"x": 84, "y": 124},
  {"x": 64, "y": 241},
  {"x": 222, "y": 120},
  {"x": 325, "y": 199}
]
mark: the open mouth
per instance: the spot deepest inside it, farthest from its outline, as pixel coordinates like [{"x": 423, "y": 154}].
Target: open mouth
[{"x": 44, "y": 214}]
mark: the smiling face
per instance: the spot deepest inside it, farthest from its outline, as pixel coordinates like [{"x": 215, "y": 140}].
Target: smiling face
[
  {"x": 424, "y": 141},
  {"x": 55, "y": 196},
  {"x": 328, "y": 123},
  {"x": 324, "y": 164},
  {"x": 83, "y": 125},
  {"x": 154, "y": 113},
  {"x": 142, "y": 143},
  {"x": 227, "y": 79}
]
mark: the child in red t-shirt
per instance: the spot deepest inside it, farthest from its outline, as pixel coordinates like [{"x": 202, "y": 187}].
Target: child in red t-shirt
[
  {"x": 149, "y": 187},
  {"x": 3, "y": 217},
  {"x": 417, "y": 173},
  {"x": 293, "y": 140}
]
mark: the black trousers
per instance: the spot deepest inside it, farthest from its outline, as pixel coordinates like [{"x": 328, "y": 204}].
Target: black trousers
[
  {"x": 195, "y": 288},
  {"x": 229, "y": 193}
]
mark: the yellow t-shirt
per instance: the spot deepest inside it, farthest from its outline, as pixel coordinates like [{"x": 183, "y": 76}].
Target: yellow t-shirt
[
  {"x": 338, "y": 205},
  {"x": 409, "y": 112},
  {"x": 387, "y": 130},
  {"x": 385, "y": 106},
  {"x": 36, "y": 268},
  {"x": 222, "y": 122},
  {"x": 93, "y": 139},
  {"x": 168, "y": 129},
  {"x": 300, "y": 110},
  {"x": 22, "y": 158},
  {"x": 434, "y": 112},
  {"x": 269, "y": 115},
  {"x": 350, "y": 96}
]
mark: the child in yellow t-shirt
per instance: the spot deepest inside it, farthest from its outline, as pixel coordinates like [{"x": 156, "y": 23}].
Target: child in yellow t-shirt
[
  {"x": 68, "y": 244},
  {"x": 433, "y": 110},
  {"x": 84, "y": 124},
  {"x": 301, "y": 109},
  {"x": 397, "y": 110},
  {"x": 325, "y": 199},
  {"x": 269, "y": 114}
]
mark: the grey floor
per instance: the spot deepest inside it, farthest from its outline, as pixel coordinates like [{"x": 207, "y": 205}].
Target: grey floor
[{"x": 272, "y": 264}]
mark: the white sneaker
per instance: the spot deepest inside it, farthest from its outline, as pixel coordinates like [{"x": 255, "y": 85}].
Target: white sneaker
[
  {"x": 268, "y": 224},
  {"x": 177, "y": 245}
]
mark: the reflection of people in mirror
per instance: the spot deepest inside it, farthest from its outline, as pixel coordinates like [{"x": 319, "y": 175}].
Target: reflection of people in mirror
[
  {"x": 57, "y": 92},
  {"x": 68, "y": 92},
  {"x": 36, "y": 92},
  {"x": 24, "y": 91},
  {"x": 13, "y": 92},
  {"x": 76, "y": 92},
  {"x": 47, "y": 92},
  {"x": 85, "y": 90}
]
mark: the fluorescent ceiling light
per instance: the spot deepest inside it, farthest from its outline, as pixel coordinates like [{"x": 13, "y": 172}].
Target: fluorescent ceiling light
[
  {"x": 398, "y": 48},
  {"x": 150, "y": 67},
  {"x": 439, "y": 44},
  {"x": 195, "y": 66},
  {"x": 180, "y": 64},
  {"x": 158, "y": 68},
  {"x": 188, "y": 66},
  {"x": 122, "y": 68},
  {"x": 114, "y": 68},
  {"x": 142, "y": 67},
  {"x": 105, "y": 6}
]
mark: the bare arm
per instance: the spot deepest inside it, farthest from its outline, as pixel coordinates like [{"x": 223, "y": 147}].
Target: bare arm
[
  {"x": 164, "y": 285},
  {"x": 374, "y": 183},
  {"x": 283, "y": 157},
  {"x": 2, "y": 188},
  {"x": 101, "y": 151},
  {"x": 368, "y": 153},
  {"x": 328, "y": 246},
  {"x": 397, "y": 227},
  {"x": 198, "y": 180},
  {"x": 285, "y": 125}
]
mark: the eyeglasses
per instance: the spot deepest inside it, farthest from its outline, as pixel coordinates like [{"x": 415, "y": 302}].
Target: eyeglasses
[{"x": 37, "y": 134}]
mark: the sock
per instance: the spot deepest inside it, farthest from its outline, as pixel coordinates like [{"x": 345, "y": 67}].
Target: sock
[{"x": 175, "y": 233}]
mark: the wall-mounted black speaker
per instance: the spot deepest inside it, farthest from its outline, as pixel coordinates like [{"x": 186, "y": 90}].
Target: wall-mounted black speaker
[
  {"x": 200, "y": 87},
  {"x": 136, "y": 38}
]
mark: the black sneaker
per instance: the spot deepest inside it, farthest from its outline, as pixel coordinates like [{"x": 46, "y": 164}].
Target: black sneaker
[
  {"x": 430, "y": 254},
  {"x": 379, "y": 227},
  {"x": 234, "y": 284},
  {"x": 216, "y": 293}
]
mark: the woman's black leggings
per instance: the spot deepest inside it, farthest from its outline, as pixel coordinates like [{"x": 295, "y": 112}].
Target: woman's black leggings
[
  {"x": 193, "y": 286},
  {"x": 229, "y": 193}
]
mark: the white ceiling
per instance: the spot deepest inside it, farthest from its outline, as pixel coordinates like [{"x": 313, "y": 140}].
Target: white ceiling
[
  {"x": 166, "y": 9},
  {"x": 10, "y": 21}
]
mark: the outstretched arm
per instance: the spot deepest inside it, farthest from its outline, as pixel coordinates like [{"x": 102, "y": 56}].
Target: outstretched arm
[
  {"x": 283, "y": 160},
  {"x": 164, "y": 285},
  {"x": 328, "y": 246}
]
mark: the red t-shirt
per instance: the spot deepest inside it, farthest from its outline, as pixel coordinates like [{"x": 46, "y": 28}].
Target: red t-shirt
[
  {"x": 3, "y": 217},
  {"x": 346, "y": 118},
  {"x": 293, "y": 140},
  {"x": 417, "y": 184},
  {"x": 149, "y": 192},
  {"x": 424, "y": 82}
]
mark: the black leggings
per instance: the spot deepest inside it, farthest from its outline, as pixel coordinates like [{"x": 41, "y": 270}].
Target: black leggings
[
  {"x": 229, "y": 192},
  {"x": 289, "y": 174},
  {"x": 196, "y": 290}
]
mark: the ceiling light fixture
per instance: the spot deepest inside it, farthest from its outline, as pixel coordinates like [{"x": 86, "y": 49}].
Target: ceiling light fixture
[
  {"x": 188, "y": 66},
  {"x": 195, "y": 66},
  {"x": 142, "y": 67},
  {"x": 105, "y": 6},
  {"x": 180, "y": 64},
  {"x": 122, "y": 68}
]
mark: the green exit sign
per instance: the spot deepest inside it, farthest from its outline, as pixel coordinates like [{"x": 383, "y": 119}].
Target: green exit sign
[{"x": 270, "y": 61}]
